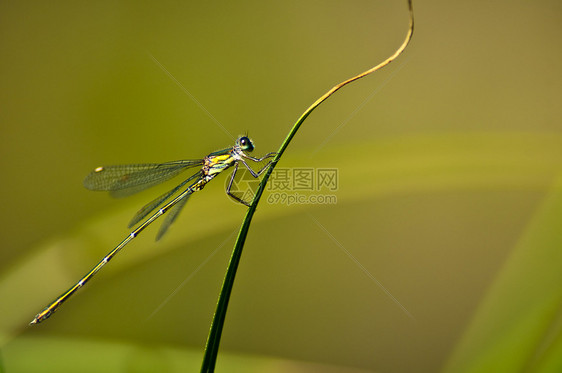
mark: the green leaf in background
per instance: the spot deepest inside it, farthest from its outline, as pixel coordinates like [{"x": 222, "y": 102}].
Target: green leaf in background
[{"x": 518, "y": 325}]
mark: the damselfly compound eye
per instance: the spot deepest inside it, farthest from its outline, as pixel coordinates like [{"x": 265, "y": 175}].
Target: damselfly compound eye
[{"x": 246, "y": 144}]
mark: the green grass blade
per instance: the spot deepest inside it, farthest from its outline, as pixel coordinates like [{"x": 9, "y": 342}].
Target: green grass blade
[{"x": 212, "y": 347}]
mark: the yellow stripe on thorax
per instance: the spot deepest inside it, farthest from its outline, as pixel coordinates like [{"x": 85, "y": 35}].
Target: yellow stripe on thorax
[{"x": 218, "y": 159}]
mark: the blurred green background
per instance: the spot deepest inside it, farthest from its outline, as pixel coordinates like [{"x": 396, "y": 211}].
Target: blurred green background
[{"x": 443, "y": 252}]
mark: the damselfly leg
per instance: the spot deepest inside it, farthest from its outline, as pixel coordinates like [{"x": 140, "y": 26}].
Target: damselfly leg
[{"x": 251, "y": 171}]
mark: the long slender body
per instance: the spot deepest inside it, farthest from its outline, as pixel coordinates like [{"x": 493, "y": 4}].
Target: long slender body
[{"x": 123, "y": 180}]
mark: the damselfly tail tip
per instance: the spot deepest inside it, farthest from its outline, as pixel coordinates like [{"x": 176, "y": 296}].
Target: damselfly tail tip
[
  {"x": 41, "y": 316},
  {"x": 38, "y": 318}
]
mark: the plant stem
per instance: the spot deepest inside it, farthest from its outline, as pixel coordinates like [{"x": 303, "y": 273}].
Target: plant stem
[{"x": 213, "y": 341}]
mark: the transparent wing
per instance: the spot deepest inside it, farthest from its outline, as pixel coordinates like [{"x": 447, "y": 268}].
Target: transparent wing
[
  {"x": 124, "y": 180},
  {"x": 154, "y": 204},
  {"x": 171, "y": 216}
]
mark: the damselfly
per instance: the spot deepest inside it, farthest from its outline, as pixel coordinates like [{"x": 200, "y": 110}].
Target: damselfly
[{"x": 128, "y": 179}]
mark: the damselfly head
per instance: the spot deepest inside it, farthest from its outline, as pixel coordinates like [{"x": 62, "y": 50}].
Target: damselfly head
[{"x": 245, "y": 144}]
